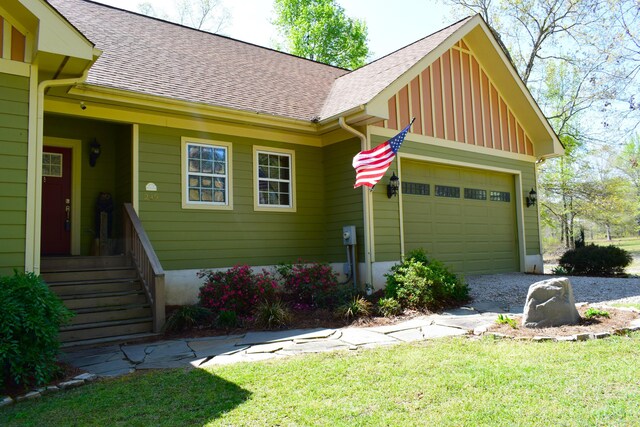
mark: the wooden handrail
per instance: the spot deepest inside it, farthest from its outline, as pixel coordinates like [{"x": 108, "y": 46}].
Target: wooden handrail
[{"x": 138, "y": 246}]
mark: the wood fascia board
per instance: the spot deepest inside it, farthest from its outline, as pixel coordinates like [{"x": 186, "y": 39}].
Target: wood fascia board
[
  {"x": 176, "y": 119},
  {"x": 150, "y": 102},
  {"x": 55, "y": 33},
  {"x": 378, "y": 106},
  {"x": 553, "y": 142},
  {"x": 454, "y": 145}
]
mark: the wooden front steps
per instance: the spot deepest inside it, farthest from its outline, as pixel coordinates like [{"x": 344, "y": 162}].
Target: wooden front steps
[{"x": 105, "y": 294}]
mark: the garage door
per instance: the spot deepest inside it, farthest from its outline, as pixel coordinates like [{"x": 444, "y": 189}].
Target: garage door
[{"x": 463, "y": 217}]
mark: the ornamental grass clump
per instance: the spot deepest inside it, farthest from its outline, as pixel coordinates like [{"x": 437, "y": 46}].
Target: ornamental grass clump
[
  {"x": 236, "y": 290},
  {"x": 315, "y": 284},
  {"x": 30, "y": 318},
  {"x": 420, "y": 283}
]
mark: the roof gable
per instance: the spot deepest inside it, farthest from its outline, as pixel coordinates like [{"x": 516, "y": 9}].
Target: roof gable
[
  {"x": 454, "y": 98},
  {"x": 365, "y": 84},
  {"x": 510, "y": 118}
]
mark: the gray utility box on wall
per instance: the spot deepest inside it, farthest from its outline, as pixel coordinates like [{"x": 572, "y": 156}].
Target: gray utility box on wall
[{"x": 349, "y": 235}]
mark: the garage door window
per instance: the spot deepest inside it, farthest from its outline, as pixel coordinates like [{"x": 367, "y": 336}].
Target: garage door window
[
  {"x": 475, "y": 194},
  {"x": 415, "y": 188},
  {"x": 446, "y": 191},
  {"x": 500, "y": 196}
]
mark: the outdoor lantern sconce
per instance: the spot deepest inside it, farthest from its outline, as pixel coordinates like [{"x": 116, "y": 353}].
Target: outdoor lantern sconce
[
  {"x": 532, "y": 198},
  {"x": 392, "y": 187},
  {"x": 94, "y": 152}
]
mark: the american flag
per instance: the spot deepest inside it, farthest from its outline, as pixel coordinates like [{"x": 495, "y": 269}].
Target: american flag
[{"x": 371, "y": 165}]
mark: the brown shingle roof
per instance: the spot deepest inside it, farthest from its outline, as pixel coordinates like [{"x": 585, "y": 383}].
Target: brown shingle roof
[
  {"x": 150, "y": 56},
  {"x": 154, "y": 57}
]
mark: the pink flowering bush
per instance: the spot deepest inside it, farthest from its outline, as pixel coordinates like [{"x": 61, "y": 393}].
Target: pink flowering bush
[
  {"x": 237, "y": 290},
  {"x": 311, "y": 284}
]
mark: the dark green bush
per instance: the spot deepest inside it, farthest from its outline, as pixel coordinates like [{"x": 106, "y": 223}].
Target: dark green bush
[
  {"x": 30, "y": 317},
  {"x": 389, "y": 307},
  {"x": 188, "y": 317},
  {"x": 593, "y": 260},
  {"x": 421, "y": 283}
]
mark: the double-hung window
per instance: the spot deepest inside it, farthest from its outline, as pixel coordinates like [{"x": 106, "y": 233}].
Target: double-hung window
[
  {"x": 206, "y": 174},
  {"x": 274, "y": 179}
]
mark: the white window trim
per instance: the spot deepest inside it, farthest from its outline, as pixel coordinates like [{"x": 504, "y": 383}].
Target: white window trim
[
  {"x": 186, "y": 204},
  {"x": 292, "y": 177}
]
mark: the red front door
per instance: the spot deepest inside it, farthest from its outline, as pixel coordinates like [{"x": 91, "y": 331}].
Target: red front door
[{"x": 56, "y": 201}]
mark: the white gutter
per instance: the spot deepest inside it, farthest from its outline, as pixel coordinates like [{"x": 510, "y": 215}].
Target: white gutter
[
  {"x": 368, "y": 212},
  {"x": 34, "y": 217}
]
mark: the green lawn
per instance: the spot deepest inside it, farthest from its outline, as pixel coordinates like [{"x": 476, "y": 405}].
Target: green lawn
[
  {"x": 631, "y": 244},
  {"x": 448, "y": 382}
]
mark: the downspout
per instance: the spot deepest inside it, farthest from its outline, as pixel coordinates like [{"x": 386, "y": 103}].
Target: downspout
[
  {"x": 35, "y": 215},
  {"x": 367, "y": 202}
]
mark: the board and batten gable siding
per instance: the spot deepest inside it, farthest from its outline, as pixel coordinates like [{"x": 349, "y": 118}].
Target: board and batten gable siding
[
  {"x": 14, "y": 132},
  {"x": 386, "y": 212},
  {"x": 209, "y": 238},
  {"x": 455, "y": 99},
  {"x": 343, "y": 202}
]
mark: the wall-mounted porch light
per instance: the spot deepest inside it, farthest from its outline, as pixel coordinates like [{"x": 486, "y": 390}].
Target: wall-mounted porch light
[
  {"x": 392, "y": 187},
  {"x": 94, "y": 152},
  {"x": 532, "y": 198}
]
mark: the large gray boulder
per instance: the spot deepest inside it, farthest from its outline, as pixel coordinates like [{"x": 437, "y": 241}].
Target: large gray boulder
[{"x": 550, "y": 303}]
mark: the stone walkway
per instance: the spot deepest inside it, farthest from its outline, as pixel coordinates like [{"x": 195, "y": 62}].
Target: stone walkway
[{"x": 116, "y": 360}]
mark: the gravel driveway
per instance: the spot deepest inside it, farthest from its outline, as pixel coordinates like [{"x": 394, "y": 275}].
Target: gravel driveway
[{"x": 511, "y": 289}]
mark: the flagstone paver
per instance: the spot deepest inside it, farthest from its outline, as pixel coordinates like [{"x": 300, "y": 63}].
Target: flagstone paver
[
  {"x": 253, "y": 338},
  {"x": 215, "y": 347},
  {"x": 408, "y": 335},
  {"x": 437, "y": 331},
  {"x": 315, "y": 347},
  {"x": 357, "y": 336},
  {"x": 239, "y": 357},
  {"x": 416, "y": 322},
  {"x": 468, "y": 323}
]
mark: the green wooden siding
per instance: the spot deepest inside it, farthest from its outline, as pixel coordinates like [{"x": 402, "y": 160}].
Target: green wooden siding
[
  {"x": 111, "y": 174},
  {"x": 14, "y": 134},
  {"x": 386, "y": 213},
  {"x": 205, "y": 238},
  {"x": 343, "y": 202}
]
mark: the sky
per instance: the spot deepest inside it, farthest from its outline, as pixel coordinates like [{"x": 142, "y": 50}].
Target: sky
[{"x": 391, "y": 24}]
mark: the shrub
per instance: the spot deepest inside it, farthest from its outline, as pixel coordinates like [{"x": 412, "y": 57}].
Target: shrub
[
  {"x": 389, "y": 307},
  {"x": 593, "y": 313},
  {"x": 187, "y": 317},
  {"x": 30, "y": 317},
  {"x": 356, "y": 307},
  {"x": 421, "y": 283},
  {"x": 310, "y": 283},
  {"x": 559, "y": 270},
  {"x": 238, "y": 289},
  {"x": 272, "y": 314},
  {"x": 593, "y": 260},
  {"x": 227, "y": 319},
  {"x": 506, "y": 320}
]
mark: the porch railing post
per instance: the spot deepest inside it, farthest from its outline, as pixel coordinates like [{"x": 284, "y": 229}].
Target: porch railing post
[{"x": 138, "y": 246}]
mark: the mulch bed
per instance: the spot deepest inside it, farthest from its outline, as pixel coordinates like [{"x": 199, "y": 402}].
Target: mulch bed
[{"x": 618, "y": 319}]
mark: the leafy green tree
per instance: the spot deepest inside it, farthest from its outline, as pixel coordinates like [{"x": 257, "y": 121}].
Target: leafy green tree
[{"x": 319, "y": 30}]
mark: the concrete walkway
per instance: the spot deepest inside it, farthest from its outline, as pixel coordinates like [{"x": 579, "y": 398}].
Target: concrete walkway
[{"x": 116, "y": 360}]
